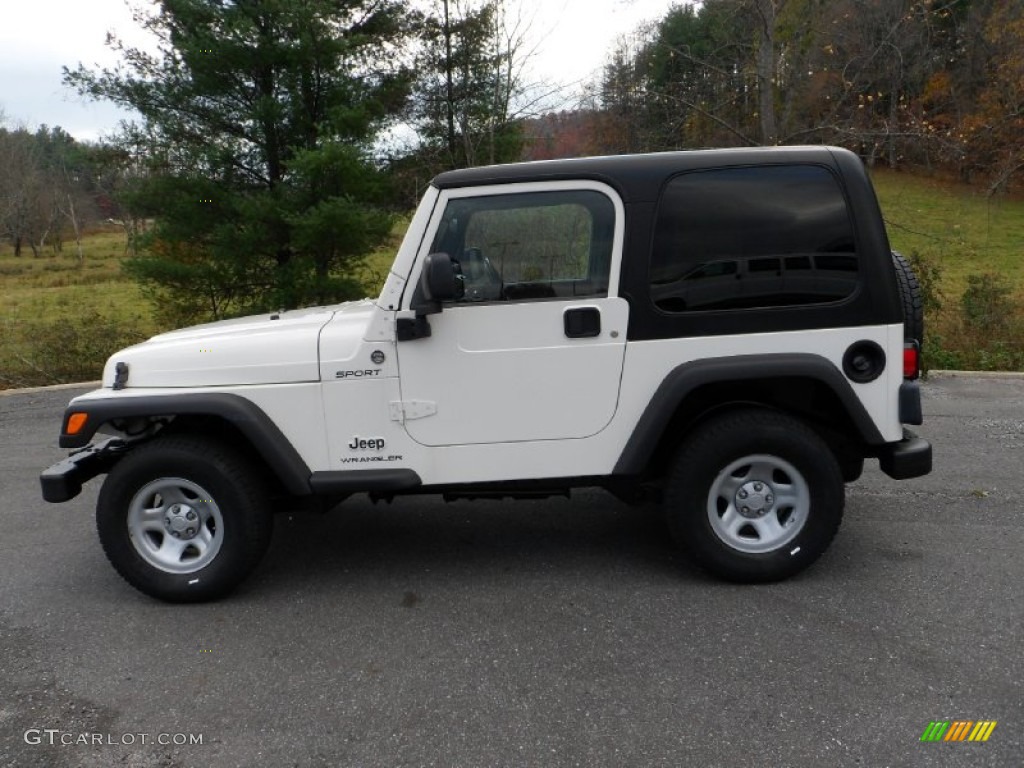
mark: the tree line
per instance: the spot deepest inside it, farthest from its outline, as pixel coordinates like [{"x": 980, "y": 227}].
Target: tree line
[
  {"x": 925, "y": 83},
  {"x": 269, "y": 154},
  {"x": 49, "y": 186}
]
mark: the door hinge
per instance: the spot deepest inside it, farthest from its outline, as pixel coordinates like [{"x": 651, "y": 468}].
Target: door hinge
[
  {"x": 410, "y": 329},
  {"x": 407, "y": 410}
]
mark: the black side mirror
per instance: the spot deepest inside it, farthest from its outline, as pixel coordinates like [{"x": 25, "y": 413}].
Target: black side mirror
[{"x": 440, "y": 280}]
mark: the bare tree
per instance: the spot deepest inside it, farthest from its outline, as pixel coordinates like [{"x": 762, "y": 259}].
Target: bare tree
[
  {"x": 767, "y": 67},
  {"x": 44, "y": 189},
  {"x": 23, "y": 209},
  {"x": 474, "y": 89}
]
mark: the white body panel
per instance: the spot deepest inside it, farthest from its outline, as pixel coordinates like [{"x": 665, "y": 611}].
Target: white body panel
[
  {"x": 649, "y": 362},
  {"x": 507, "y": 373},
  {"x": 321, "y": 420},
  {"x": 249, "y": 350},
  {"x": 342, "y": 339},
  {"x": 646, "y": 365}
]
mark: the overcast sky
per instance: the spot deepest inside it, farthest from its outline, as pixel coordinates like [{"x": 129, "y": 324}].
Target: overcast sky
[{"x": 38, "y": 37}]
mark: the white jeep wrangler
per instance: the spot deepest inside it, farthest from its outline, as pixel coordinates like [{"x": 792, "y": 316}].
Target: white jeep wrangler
[{"x": 725, "y": 332}]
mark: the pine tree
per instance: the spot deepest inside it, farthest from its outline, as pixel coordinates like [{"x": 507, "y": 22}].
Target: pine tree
[{"x": 256, "y": 122}]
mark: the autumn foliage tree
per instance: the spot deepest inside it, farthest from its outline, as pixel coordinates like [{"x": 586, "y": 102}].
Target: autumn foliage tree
[{"x": 937, "y": 83}]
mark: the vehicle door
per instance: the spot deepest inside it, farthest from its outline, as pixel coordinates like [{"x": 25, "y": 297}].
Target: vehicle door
[{"x": 534, "y": 348}]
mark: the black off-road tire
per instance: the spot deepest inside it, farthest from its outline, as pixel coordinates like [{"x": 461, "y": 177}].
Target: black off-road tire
[
  {"x": 852, "y": 468},
  {"x": 911, "y": 297},
  {"x": 793, "y": 485},
  {"x": 204, "y": 497}
]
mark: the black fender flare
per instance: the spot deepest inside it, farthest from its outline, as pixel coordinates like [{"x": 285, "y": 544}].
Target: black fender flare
[
  {"x": 686, "y": 378},
  {"x": 258, "y": 428}
]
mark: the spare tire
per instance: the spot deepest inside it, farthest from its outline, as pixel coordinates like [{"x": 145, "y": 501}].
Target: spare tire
[{"x": 911, "y": 298}]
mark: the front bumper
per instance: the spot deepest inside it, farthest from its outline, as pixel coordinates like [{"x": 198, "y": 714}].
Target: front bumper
[
  {"x": 63, "y": 481},
  {"x": 909, "y": 457}
]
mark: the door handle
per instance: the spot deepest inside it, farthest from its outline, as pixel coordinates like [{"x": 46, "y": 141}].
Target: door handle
[{"x": 582, "y": 322}]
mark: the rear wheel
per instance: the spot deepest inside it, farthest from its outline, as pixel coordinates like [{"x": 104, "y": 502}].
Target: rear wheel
[
  {"x": 183, "y": 518},
  {"x": 754, "y": 496}
]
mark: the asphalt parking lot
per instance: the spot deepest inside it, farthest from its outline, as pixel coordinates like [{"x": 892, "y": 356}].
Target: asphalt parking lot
[{"x": 540, "y": 633}]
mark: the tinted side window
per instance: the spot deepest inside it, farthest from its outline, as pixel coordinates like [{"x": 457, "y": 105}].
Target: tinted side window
[
  {"x": 752, "y": 237},
  {"x": 536, "y": 245}
]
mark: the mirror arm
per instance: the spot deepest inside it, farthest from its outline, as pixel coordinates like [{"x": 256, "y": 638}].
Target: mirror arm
[
  {"x": 426, "y": 307},
  {"x": 440, "y": 279}
]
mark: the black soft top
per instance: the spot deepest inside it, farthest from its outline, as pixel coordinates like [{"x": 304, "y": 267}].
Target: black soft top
[{"x": 640, "y": 177}]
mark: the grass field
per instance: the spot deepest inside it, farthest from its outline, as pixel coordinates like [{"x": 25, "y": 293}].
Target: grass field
[
  {"x": 962, "y": 230},
  {"x": 58, "y": 285},
  {"x": 971, "y": 246},
  {"x": 60, "y": 318}
]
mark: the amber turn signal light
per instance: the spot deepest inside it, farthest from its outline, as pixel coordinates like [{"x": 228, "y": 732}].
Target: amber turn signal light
[{"x": 76, "y": 421}]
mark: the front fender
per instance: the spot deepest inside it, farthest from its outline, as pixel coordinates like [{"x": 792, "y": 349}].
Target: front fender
[{"x": 250, "y": 420}]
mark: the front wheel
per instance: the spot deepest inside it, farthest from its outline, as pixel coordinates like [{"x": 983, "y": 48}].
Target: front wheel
[
  {"x": 754, "y": 496},
  {"x": 183, "y": 518}
]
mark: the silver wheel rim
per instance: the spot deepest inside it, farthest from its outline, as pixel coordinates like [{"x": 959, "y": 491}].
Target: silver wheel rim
[
  {"x": 758, "y": 504},
  {"x": 175, "y": 525}
]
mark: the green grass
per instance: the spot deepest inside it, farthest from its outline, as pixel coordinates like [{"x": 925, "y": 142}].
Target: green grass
[
  {"x": 58, "y": 285},
  {"x": 958, "y": 227},
  {"x": 60, "y": 318},
  {"x": 958, "y": 233}
]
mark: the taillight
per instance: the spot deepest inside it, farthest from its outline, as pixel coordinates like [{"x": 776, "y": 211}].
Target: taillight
[{"x": 911, "y": 360}]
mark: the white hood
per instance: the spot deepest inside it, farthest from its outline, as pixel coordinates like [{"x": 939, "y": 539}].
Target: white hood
[{"x": 278, "y": 348}]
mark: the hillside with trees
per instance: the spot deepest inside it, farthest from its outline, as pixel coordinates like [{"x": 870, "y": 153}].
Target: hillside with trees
[{"x": 931, "y": 84}]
